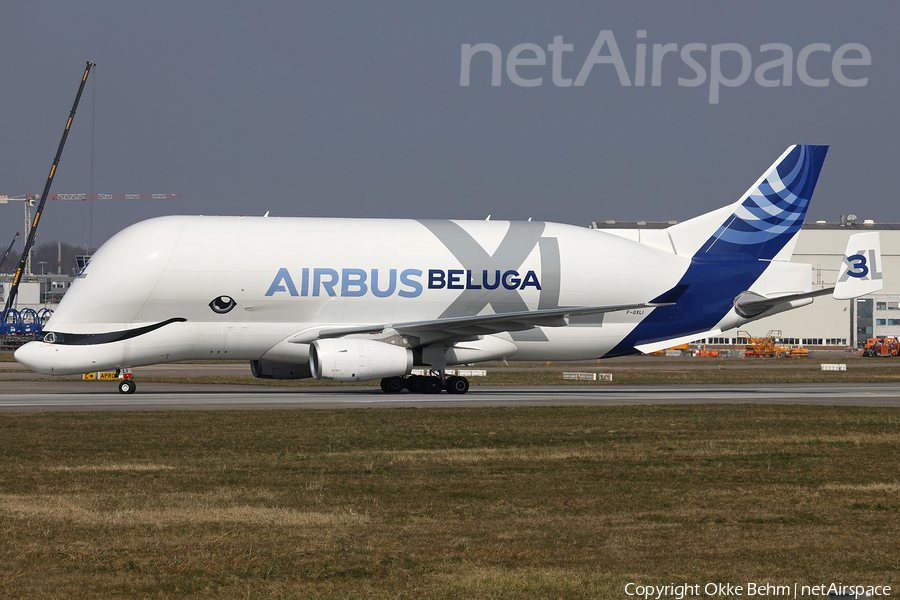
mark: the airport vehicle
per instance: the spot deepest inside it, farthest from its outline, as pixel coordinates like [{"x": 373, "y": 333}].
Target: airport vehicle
[
  {"x": 368, "y": 299},
  {"x": 886, "y": 346}
]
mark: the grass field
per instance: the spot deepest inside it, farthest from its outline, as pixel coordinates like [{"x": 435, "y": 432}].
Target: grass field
[{"x": 445, "y": 503}]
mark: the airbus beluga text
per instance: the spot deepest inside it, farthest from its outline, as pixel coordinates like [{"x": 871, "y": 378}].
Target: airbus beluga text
[{"x": 366, "y": 299}]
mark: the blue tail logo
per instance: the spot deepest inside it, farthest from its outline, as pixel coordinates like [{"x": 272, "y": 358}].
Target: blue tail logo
[{"x": 773, "y": 211}]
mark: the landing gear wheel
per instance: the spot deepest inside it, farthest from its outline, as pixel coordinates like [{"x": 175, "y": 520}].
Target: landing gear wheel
[
  {"x": 126, "y": 386},
  {"x": 412, "y": 384},
  {"x": 432, "y": 385},
  {"x": 392, "y": 385},
  {"x": 457, "y": 385}
]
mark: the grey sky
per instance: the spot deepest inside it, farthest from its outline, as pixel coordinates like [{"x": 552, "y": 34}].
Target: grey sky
[{"x": 356, "y": 109}]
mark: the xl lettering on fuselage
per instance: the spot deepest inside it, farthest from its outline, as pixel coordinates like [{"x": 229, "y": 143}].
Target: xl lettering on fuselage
[{"x": 384, "y": 283}]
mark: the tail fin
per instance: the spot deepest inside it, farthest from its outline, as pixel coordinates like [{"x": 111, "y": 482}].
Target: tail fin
[
  {"x": 768, "y": 216},
  {"x": 861, "y": 270}
]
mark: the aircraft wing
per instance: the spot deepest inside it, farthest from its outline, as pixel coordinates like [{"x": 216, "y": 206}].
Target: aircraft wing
[{"x": 462, "y": 327}]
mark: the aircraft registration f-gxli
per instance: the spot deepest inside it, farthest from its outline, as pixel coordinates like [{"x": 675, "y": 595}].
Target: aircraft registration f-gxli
[{"x": 366, "y": 299}]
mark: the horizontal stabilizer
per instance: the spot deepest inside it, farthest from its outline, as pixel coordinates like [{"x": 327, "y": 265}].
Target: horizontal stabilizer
[
  {"x": 685, "y": 339},
  {"x": 861, "y": 269},
  {"x": 750, "y": 305}
]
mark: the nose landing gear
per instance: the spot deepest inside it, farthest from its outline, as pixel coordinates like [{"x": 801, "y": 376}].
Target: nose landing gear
[{"x": 127, "y": 385}]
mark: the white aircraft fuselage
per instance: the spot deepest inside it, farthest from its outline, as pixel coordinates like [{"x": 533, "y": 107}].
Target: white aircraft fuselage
[{"x": 290, "y": 275}]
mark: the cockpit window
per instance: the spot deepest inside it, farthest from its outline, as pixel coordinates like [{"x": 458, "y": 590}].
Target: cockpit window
[{"x": 50, "y": 338}]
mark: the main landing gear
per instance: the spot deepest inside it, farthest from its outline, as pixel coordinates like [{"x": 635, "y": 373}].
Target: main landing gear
[
  {"x": 127, "y": 385},
  {"x": 425, "y": 384}
]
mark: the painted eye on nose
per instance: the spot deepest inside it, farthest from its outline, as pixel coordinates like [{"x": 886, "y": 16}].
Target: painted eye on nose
[{"x": 222, "y": 304}]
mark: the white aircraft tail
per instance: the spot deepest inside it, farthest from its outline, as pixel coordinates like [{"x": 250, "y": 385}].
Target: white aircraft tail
[{"x": 861, "y": 269}]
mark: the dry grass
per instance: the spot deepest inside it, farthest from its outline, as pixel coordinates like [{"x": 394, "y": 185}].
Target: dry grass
[{"x": 444, "y": 503}]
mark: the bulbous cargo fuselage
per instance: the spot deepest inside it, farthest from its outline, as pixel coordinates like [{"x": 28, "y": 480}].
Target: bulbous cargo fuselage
[{"x": 235, "y": 287}]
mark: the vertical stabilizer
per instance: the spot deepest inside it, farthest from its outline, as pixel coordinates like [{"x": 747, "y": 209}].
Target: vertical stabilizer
[
  {"x": 861, "y": 269},
  {"x": 767, "y": 217}
]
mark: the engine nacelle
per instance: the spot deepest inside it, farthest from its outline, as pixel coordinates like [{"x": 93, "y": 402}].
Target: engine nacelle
[
  {"x": 270, "y": 369},
  {"x": 358, "y": 360}
]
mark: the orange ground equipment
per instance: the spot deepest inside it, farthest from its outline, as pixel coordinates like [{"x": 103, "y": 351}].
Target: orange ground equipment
[
  {"x": 798, "y": 352},
  {"x": 886, "y": 346},
  {"x": 764, "y": 347}
]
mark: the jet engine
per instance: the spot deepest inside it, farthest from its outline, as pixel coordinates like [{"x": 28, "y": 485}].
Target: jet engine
[{"x": 349, "y": 359}]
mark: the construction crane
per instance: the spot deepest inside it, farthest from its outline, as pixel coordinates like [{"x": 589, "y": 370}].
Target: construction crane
[
  {"x": 30, "y": 199},
  {"x": 3, "y": 260},
  {"x": 29, "y": 239}
]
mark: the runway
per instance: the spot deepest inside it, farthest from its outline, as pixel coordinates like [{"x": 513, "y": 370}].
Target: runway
[{"x": 42, "y": 396}]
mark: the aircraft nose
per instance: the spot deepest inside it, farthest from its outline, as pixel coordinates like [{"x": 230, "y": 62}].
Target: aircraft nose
[{"x": 36, "y": 356}]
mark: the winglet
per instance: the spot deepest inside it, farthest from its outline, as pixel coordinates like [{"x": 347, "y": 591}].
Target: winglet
[{"x": 861, "y": 268}]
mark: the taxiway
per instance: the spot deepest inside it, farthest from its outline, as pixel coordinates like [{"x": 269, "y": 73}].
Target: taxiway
[{"x": 49, "y": 395}]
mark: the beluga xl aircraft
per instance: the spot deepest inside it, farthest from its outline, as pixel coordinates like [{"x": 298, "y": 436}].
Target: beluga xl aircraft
[{"x": 366, "y": 299}]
